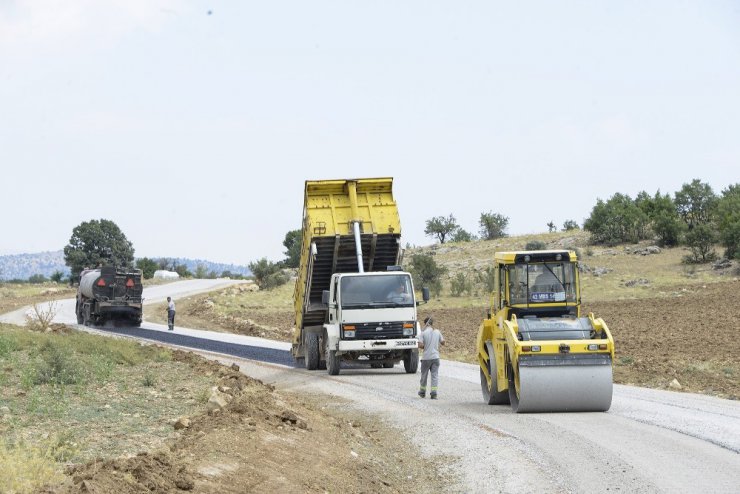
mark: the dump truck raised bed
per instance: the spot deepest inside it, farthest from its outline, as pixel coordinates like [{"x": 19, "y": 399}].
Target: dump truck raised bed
[
  {"x": 535, "y": 351},
  {"x": 353, "y": 303},
  {"x": 109, "y": 294}
]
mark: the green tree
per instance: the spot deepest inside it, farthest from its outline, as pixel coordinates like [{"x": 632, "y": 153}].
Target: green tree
[
  {"x": 201, "y": 272},
  {"x": 96, "y": 243},
  {"x": 551, "y": 227},
  {"x": 426, "y": 272},
  {"x": 664, "y": 219},
  {"x": 696, "y": 203},
  {"x": 700, "y": 240},
  {"x": 493, "y": 225},
  {"x": 617, "y": 220},
  {"x": 182, "y": 270},
  {"x": 267, "y": 274},
  {"x": 728, "y": 220},
  {"x": 462, "y": 236},
  {"x": 569, "y": 225},
  {"x": 441, "y": 227},
  {"x": 147, "y": 266},
  {"x": 57, "y": 276},
  {"x": 37, "y": 278},
  {"x": 292, "y": 242}
]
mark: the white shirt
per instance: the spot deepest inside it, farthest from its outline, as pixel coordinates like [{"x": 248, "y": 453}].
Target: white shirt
[{"x": 171, "y": 305}]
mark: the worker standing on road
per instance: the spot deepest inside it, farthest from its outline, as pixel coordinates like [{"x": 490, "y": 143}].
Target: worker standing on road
[
  {"x": 429, "y": 340},
  {"x": 170, "y": 314}
]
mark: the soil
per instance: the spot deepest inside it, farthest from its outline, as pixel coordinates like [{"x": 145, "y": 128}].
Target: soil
[
  {"x": 689, "y": 335},
  {"x": 264, "y": 441}
]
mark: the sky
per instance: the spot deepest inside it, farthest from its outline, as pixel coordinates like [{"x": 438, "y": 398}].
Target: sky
[{"x": 193, "y": 125}]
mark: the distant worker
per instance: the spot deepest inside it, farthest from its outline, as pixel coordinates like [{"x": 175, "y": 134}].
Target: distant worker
[
  {"x": 170, "y": 314},
  {"x": 429, "y": 340}
]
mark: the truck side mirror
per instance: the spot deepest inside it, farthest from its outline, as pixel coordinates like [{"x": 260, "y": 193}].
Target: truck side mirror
[
  {"x": 425, "y": 294},
  {"x": 325, "y": 297}
]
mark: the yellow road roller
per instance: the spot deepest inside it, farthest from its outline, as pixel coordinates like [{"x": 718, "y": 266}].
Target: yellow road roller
[{"x": 535, "y": 351}]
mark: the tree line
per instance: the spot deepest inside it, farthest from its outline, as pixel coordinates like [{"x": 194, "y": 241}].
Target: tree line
[{"x": 695, "y": 216}]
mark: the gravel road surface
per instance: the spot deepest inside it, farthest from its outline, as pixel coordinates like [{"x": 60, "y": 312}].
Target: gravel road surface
[{"x": 649, "y": 441}]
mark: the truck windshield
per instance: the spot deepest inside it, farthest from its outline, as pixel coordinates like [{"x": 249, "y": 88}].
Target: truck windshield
[
  {"x": 357, "y": 292},
  {"x": 542, "y": 283}
]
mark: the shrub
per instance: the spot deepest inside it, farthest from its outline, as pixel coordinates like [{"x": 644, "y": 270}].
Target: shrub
[
  {"x": 41, "y": 317},
  {"x": 460, "y": 284},
  {"x": 462, "y": 236},
  {"x": 535, "y": 245},
  {"x": 426, "y": 272},
  {"x": 487, "y": 278},
  {"x": 37, "y": 278},
  {"x": 58, "y": 366}
]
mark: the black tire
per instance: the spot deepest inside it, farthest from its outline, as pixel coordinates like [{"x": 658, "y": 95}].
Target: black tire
[
  {"x": 490, "y": 394},
  {"x": 513, "y": 398},
  {"x": 78, "y": 313},
  {"x": 312, "y": 351},
  {"x": 411, "y": 361},
  {"x": 388, "y": 365},
  {"x": 333, "y": 362}
]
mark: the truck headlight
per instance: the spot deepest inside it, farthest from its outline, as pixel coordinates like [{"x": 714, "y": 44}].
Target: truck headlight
[
  {"x": 349, "y": 334},
  {"x": 408, "y": 329}
]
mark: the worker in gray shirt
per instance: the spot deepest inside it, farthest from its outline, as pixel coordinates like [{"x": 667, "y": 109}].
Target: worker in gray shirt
[
  {"x": 170, "y": 314},
  {"x": 429, "y": 340}
]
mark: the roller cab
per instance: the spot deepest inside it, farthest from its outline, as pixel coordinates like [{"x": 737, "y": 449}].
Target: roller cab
[{"x": 535, "y": 350}]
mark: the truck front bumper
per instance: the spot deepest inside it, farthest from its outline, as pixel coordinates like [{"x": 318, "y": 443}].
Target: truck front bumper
[{"x": 374, "y": 345}]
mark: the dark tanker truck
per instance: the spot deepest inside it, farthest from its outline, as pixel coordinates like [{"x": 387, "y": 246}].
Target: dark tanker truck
[{"x": 109, "y": 294}]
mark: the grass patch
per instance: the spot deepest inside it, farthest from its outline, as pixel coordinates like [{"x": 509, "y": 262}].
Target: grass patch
[
  {"x": 16, "y": 295},
  {"x": 26, "y": 468},
  {"x": 109, "y": 396}
]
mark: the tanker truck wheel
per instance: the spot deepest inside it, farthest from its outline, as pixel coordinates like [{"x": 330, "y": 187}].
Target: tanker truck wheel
[
  {"x": 78, "y": 313},
  {"x": 411, "y": 361},
  {"x": 491, "y": 395},
  {"x": 312, "y": 351}
]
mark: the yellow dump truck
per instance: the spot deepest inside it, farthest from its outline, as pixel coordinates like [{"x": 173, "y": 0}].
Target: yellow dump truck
[
  {"x": 353, "y": 303},
  {"x": 535, "y": 351}
]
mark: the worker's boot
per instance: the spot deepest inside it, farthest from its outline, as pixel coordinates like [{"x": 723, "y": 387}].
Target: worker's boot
[
  {"x": 422, "y": 394},
  {"x": 433, "y": 395}
]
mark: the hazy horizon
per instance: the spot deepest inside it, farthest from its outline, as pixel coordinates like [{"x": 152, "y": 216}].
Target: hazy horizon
[{"x": 194, "y": 125}]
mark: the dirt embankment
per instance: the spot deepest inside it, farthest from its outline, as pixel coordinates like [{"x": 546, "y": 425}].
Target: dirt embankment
[{"x": 262, "y": 441}]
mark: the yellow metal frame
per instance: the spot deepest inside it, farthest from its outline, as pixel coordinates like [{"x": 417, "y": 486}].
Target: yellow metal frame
[{"x": 501, "y": 328}]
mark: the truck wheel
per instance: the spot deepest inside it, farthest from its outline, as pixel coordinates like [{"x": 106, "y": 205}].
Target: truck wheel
[
  {"x": 411, "y": 361},
  {"x": 332, "y": 360},
  {"x": 491, "y": 395},
  {"x": 78, "y": 313},
  {"x": 312, "y": 351}
]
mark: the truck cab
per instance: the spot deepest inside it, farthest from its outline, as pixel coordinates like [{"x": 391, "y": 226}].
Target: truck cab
[{"x": 371, "y": 319}]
